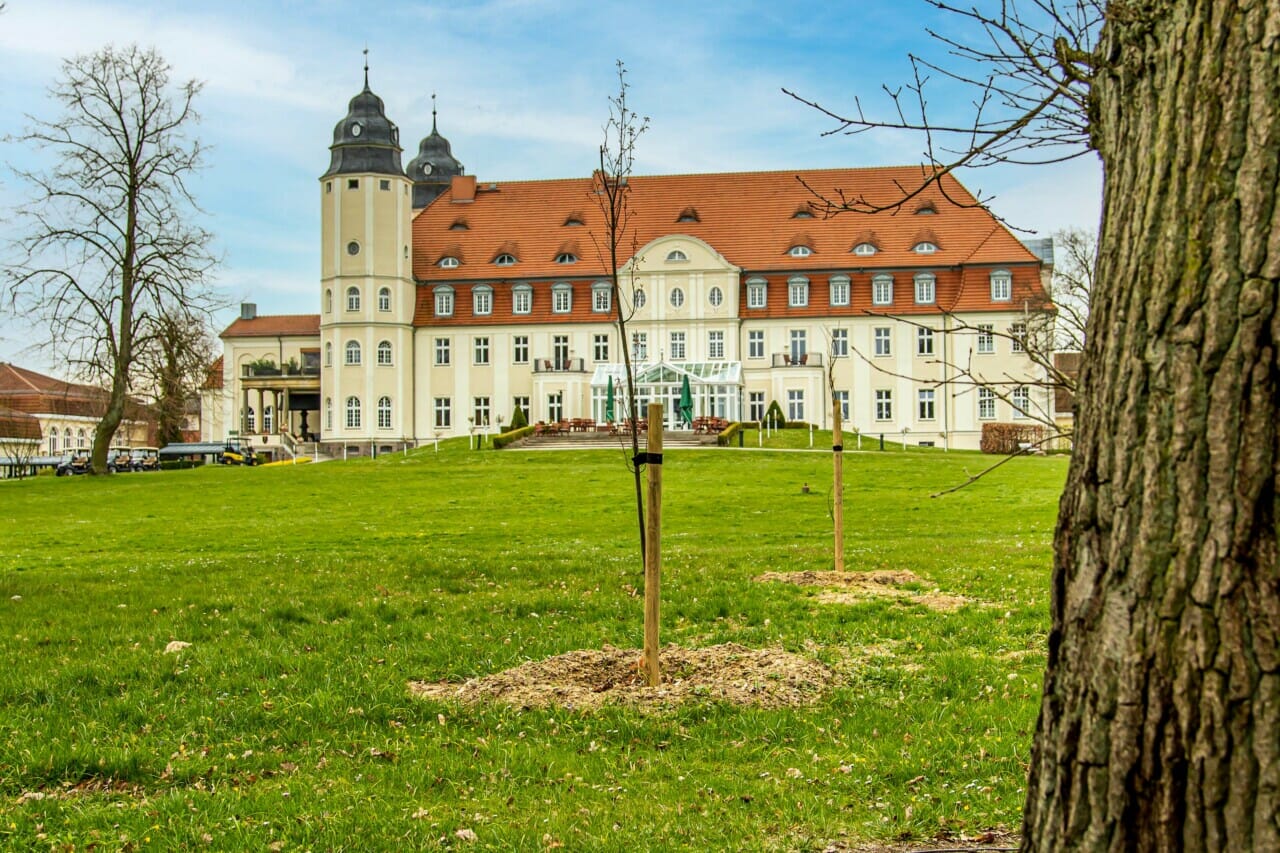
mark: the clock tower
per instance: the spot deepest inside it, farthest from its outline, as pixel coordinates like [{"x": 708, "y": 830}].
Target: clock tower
[{"x": 366, "y": 282}]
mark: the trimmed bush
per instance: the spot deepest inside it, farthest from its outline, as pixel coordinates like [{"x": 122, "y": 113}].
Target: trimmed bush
[
  {"x": 1009, "y": 438},
  {"x": 501, "y": 440},
  {"x": 726, "y": 435},
  {"x": 518, "y": 420},
  {"x": 774, "y": 416}
]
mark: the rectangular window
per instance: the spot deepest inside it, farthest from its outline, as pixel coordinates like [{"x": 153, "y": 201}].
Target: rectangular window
[
  {"x": 755, "y": 406},
  {"x": 561, "y": 300},
  {"x": 799, "y": 347},
  {"x": 839, "y": 343},
  {"x": 1021, "y": 399},
  {"x": 444, "y": 304},
  {"x": 986, "y": 404},
  {"x": 715, "y": 345},
  {"x": 755, "y": 346},
  {"x": 555, "y": 406},
  {"x": 384, "y": 185},
  {"x": 600, "y": 300},
  {"x": 1001, "y": 287},
  {"x": 924, "y": 290},
  {"x": 798, "y": 293},
  {"x": 600, "y": 347},
  {"x": 481, "y": 350},
  {"x": 480, "y": 411},
  {"x": 884, "y": 405},
  {"x": 353, "y": 183},
  {"x": 442, "y": 351},
  {"x": 384, "y": 413},
  {"x": 986, "y": 338},
  {"x": 924, "y": 341},
  {"x": 677, "y": 345},
  {"x": 521, "y": 403},
  {"x": 384, "y": 354},
  {"x": 882, "y": 291},
  {"x": 1018, "y": 332},
  {"x": 840, "y": 291},
  {"x": 883, "y": 340},
  {"x": 925, "y": 404},
  {"x": 522, "y": 301},
  {"x": 842, "y": 397},
  {"x": 560, "y": 351},
  {"x": 755, "y": 295},
  {"x": 520, "y": 349},
  {"x": 482, "y": 301},
  {"x": 640, "y": 345},
  {"x": 795, "y": 404}
]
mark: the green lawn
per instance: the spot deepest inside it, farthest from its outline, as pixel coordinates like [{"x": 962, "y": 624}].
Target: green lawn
[{"x": 312, "y": 595}]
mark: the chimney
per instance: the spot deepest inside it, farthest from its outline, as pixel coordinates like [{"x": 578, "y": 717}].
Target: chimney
[
  {"x": 463, "y": 188},
  {"x": 248, "y": 311}
]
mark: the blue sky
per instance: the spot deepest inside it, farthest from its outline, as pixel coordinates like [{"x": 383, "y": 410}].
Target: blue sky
[{"x": 522, "y": 88}]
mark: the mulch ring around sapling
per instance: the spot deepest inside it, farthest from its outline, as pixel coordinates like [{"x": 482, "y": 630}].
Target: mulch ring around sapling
[
  {"x": 852, "y": 587},
  {"x": 766, "y": 678}
]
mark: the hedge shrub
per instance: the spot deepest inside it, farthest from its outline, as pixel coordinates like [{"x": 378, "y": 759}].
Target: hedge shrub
[
  {"x": 774, "y": 416},
  {"x": 1009, "y": 438},
  {"x": 518, "y": 420},
  {"x": 501, "y": 440},
  {"x": 726, "y": 435}
]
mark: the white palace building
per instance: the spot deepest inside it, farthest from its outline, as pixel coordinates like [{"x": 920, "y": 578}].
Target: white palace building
[{"x": 448, "y": 302}]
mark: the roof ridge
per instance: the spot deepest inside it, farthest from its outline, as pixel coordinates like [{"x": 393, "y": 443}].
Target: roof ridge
[{"x": 481, "y": 183}]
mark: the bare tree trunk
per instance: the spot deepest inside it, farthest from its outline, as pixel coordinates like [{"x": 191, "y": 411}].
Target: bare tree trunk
[{"x": 1160, "y": 723}]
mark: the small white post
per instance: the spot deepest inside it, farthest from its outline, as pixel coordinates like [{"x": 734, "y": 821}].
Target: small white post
[{"x": 811, "y": 436}]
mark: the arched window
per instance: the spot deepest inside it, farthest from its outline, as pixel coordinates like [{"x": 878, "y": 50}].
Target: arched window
[
  {"x": 353, "y": 352},
  {"x": 328, "y": 301},
  {"x": 865, "y": 249},
  {"x": 638, "y": 298},
  {"x": 675, "y": 256},
  {"x": 53, "y": 442},
  {"x": 80, "y": 439},
  {"x": 384, "y": 299},
  {"x": 384, "y": 353},
  {"x": 925, "y": 248},
  {"x": 566, "y": 258},
  {"x": 505, "y": 260},
  {"x": 715, "y": 297},
  {"x": 268, "y": 419},
  {"x": 353, "y": 413},
  {"x": 328, "y": 413},
  {"x": 677, "y": 297},
  {"x": 449, "y": 263},
  {"x": 249, "y": 419},
  {"x": 66, "y": 439},
  {"x": 384, "y": 413},
  {"x": 800, "y": 251},
  {"x": 353, "y": 298}
]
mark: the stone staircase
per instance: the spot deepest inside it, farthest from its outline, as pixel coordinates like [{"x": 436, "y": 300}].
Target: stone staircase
[{"x": 678, "y": 440}]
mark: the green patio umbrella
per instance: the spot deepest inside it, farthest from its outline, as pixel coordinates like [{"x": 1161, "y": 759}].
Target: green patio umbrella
[
  {"x": 608, "y": 402},
  {"x": 686, "y": 402}
]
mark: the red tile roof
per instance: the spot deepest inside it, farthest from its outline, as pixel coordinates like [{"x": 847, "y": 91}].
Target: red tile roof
[
  {"x": 747, "y": 217},
  {"x": 27, "y": 391},
  {"x": 274, "y": 325},
  {"x": 213, "y": 375},
  {"x": 18, "y": 425}
]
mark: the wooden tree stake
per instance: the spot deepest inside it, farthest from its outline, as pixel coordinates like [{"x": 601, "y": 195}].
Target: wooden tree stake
[
  {"x": 837, "y": 448},
  {"x": 653, "y": 549}
]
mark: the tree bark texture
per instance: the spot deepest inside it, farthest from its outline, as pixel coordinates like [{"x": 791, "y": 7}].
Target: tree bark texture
[{"x": 1160, "y": 722}]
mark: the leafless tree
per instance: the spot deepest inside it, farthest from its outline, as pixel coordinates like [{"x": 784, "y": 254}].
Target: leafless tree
[
  {"x": 108, "y": 243},
  {"x": 1072, "y": 287},
  {"x": 173, "y": 367},
  {"x": 617, "y": 243},
  {"x": 1159, "y": 710}
]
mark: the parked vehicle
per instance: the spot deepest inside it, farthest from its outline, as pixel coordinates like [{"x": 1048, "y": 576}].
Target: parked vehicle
[
  {"x": 145, "y": 459},
  {"x": 119, "y": 459},
  {"x": 76, "y": 462},
  {"x": 238, "y": 454}
]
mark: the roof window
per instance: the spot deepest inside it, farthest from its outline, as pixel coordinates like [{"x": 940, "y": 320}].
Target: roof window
[
  {"x": 566, "y": 258},
  {"x": 925, "y": 248},
  {"x": 675, "y": 256},
  {"x": 573, "y": 219},
  {"x": 804, "y": 211},
  {"x": 460, "y": 224},
  {"x": 926, "y": 208},
  {"x": 800, "y": 251},
  {"x": 689, "y": 214},
  {"x": 865, "y": 249},
  {"x": 506, "y": 259},
  {"x": 449, "y": 262}
]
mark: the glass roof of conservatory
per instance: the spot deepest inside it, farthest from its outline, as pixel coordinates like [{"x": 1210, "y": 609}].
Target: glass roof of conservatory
[{"x": 672, "y": 373}]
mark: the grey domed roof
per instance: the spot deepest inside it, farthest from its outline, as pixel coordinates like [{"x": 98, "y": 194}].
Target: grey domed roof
[
  {"x": 366, "y": 140},
  {"x": 433, "y": 168}
]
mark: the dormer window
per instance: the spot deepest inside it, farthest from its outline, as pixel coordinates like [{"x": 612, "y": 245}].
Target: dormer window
[
  {"x": 601, "y": 297},
  {"x": 800, "y": 251},
  {"x": 865, "y": 249},
  {"x": 449, "y": 262},
  {"x": 1001, "y": 286},
  {"x": 482, "y": 300},
  {"x": 757, "y": 293},
  {"x": 926, "y": 209},
  {"x": 573, "y": 220},
  {"x": 444, "y": 301},
  {"x": 798, "y": 291},
  {"x": 562, "y": 297},
  {"x": 459, "y": 225},
  {"x": 803, "y": 212},
  {"x": 926, "y": 289},
  {"x": 925, "y": 248},
  {"x": 505, "y": 260},
  {"x": 689, "y": 214},
  {"x": 676, "y": 256},
  {"x": 566, "y": 258},
  {"x": 522, "y": 299}
]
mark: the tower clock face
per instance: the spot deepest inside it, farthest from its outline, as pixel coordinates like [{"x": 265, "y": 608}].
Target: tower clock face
[
  {"x": 426, "y": 168},
  {"x": 356, "y": 129}
]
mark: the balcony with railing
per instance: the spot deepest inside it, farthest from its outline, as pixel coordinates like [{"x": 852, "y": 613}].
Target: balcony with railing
[
  {"x": 806, "y": 359},
  {"x": 559, "y": 365}
]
